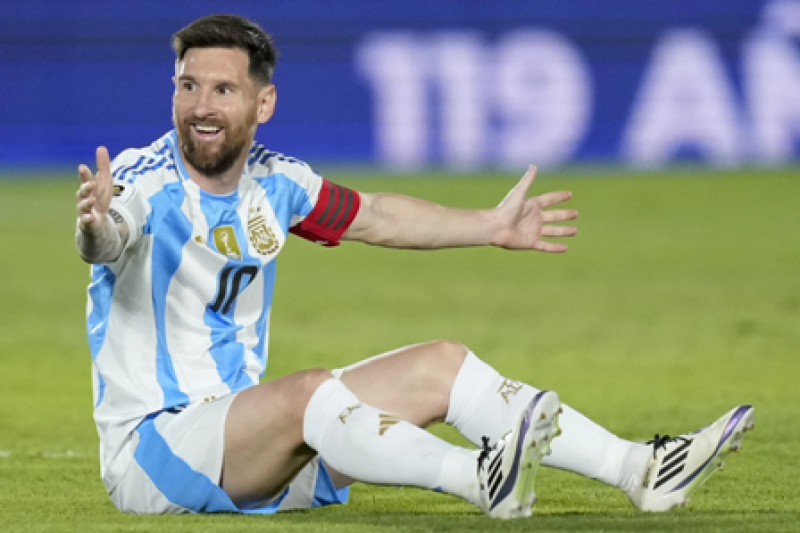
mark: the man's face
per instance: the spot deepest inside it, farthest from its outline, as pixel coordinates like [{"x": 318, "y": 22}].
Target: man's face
[{"x": 217, "y": 107}]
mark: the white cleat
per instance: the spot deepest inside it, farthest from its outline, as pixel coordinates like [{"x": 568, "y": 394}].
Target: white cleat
[
  {"x": 681, "y": 464},
  {"x": 507, "y": 471}
]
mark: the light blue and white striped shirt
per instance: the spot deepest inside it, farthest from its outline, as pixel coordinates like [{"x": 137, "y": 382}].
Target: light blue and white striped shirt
[{"x": 182, "y": 316}]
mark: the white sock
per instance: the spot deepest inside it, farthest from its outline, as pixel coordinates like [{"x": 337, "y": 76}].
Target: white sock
[
  {"x": 371, "y": 446},
  {"x": 482, "y": 402}
]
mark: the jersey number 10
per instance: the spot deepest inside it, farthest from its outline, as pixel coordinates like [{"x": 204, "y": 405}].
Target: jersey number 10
[{"x": 225, "y": 297}]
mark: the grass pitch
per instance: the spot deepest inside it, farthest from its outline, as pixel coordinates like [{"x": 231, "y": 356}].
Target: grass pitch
[{"x": 679, "y": 298}]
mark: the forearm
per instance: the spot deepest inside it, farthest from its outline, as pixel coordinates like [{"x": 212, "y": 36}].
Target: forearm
[
  {"x": 398, "y": 221},
  {"x": 103, "y": 244}
]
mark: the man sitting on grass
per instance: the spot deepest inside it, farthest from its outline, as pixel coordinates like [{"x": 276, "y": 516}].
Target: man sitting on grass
[{"x": 183, "y": 237}]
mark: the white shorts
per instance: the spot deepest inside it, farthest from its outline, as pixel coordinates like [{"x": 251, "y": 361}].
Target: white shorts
[{"x": 176, "y": 465}]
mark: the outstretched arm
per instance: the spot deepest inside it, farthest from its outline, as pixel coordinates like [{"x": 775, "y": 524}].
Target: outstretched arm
[
  {"x": 519, "y": 222},
  {"x": 100, "y": 238}
]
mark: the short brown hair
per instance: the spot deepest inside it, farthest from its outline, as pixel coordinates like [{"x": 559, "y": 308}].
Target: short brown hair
[{"x": 230, "y": 31}]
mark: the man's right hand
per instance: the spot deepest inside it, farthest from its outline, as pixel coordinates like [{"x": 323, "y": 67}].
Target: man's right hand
[{"x": 94, "y": 195}]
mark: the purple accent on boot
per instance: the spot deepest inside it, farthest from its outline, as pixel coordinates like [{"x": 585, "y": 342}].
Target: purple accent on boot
[
  {"x": 509, "y": 483},
  {"x": 729, "y": 428}
]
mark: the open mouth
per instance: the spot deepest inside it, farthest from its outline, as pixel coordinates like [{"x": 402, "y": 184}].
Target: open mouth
[{"x": 206, "y": 133}]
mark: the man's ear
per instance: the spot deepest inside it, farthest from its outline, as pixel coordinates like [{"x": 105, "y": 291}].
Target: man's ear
[{"x": 267, "y": 97}]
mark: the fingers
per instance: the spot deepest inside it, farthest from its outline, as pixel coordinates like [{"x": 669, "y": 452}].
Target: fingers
[
  {"x": 85, "y": 207},
  {"x": 550, "y": 247},
  {"x": 92, "y": 185},
  {"x": 88, "y": 183},
  {"x": 86, "y": 212},
  {"x": 556, "y": 197},
  {"x": 85, "y": 195},
  {"x": 546, "y": 199},
  {"x": 527, "y": 180},
  {"x": 559, "y": 231},
  {"x": 85, "y": 198},
  {"x": 103, "y": 161},
  {"x": 86, "y": 221},
  {"x": 559, "y": 215},
  {"x": 85, "y": 190},
  {"x": 517, "y": 195},
  {"x": 85, "y": 174}
]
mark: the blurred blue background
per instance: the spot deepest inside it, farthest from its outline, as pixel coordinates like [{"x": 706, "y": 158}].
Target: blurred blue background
[{"x": 419, "y": 84}]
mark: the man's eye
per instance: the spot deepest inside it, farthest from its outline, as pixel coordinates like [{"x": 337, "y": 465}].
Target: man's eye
[
  {"x": 187, "y": 86},
  {"x": 225, "y": 90}
]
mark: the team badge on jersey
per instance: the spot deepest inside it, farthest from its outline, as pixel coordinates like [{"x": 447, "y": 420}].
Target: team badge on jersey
[
  {"x": 225, "y": 240},
  {"x": 261, "y": 236}
]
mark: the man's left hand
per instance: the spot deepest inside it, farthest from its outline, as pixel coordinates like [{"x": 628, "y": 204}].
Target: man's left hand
[{"x": 524, "y": 220}]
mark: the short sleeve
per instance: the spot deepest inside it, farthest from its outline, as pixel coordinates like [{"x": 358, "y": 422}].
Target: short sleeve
[
  {"x": 334, "y": 208},
  {"x": 129, "y": 202}
]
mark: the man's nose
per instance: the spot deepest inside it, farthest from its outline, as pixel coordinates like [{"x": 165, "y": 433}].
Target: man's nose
[{"x": 203, "y": 105}]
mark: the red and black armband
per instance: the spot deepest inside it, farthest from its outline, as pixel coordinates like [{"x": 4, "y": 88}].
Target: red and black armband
[{"x": 335, "y": 210}]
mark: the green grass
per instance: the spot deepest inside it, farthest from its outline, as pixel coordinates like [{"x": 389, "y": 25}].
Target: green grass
[{"x": 679, "y": 298}]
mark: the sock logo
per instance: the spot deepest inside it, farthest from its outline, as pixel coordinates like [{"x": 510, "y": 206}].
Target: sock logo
[
  {"x": 509, "y": 388},
  {"x": 344, "y": 414},
  {"x": 387, "y": 421}
]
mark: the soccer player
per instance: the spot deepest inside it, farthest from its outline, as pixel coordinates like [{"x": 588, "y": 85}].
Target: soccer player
[{"x": 183, "y": 236}]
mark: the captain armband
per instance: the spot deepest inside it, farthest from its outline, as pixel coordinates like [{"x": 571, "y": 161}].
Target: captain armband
[{"x": 335, "y": 210}]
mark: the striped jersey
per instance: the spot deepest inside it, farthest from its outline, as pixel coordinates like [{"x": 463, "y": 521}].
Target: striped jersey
[{"x": 182, "y": 315}]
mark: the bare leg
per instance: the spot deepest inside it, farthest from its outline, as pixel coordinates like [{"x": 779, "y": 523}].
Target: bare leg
[
  {"x": 412, "y": 383},
  {"x": 271, "y": 414},
  {"x": 274, "y": 429},
  {"x": 267, "y": 417}
]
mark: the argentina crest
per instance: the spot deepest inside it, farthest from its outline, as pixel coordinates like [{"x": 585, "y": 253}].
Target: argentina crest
[{"x": 262, "y": 237}]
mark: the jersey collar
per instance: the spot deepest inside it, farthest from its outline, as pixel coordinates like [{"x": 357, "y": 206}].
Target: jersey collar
[{"x": 172, "y": 141}]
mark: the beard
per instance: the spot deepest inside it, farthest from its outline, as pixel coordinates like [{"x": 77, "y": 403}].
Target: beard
[{"x": 207, "y": 160}]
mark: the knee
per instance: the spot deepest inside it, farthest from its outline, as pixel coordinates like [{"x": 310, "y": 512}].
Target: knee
[
  {"x": 310, "y": 380},
  {"x": 303, "y": 387},
  {"x": 452, "y": 353},
  {"x": 444, "y": 357}
]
